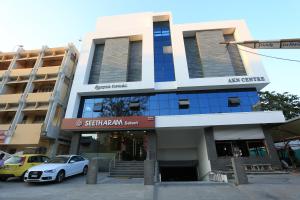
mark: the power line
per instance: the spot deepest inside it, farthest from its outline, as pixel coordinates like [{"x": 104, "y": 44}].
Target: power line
[{"x": 286, "y": 59}]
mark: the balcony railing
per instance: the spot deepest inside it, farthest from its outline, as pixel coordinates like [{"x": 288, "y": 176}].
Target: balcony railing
[
  {"x": 38, "y": 97},
  {"x": 10, "y": 98},
  {"x": 27, "y": 134},
  {"x": 47, "y": 74},
  {"x": 2, "y": 72},
  {"x": 48, "y": 70},
  {"x": 19, "y": 75},
  {"x": 20, "y": 72},
  {"x": 4, "y": 127}
]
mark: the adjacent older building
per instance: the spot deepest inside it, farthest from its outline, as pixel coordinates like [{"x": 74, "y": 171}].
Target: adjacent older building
[
  {"x": 146, "y": 88},
  {"x": 34, "y": 92}
]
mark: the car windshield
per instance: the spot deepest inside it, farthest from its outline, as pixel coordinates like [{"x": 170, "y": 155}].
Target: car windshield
[
  {"x": 15, "y": 160},
  {"x": 59, "y": 160}
]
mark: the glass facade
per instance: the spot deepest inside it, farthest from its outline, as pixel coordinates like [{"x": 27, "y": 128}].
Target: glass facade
[
  {"x": 200, "y": 102},
  {"x": 163, "y": 57},
  {"x": 129, "y": 145}
]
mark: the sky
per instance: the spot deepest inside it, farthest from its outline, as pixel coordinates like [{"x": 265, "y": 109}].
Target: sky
[{"x": 34, "y": 23}]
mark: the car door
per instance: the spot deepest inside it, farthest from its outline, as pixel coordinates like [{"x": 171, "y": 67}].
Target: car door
[
  {"x": 81, "y": 164},
  {"x": 78, "y": 164},
  {"x": 71, "y": 166},
  {"x": 34, "y": 160}
]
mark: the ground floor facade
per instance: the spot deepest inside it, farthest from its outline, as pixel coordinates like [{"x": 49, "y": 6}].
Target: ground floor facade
[
  {"x": 180, "y": 153},
  {"x": 186, "y": 133}
]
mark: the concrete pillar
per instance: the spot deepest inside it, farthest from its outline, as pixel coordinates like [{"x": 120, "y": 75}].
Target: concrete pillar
[
  {"x": 149, "y": 172},
  {"x": 239, "y": 171},
  {"x": 210, "y": 143},
  {"x": 271, "y": 149},
  {"x": 152, "y": 146},
  {"x": 91, "y": 177},
  {"x": 75, "y": 141},
  {"x": 53, "y": 149}
]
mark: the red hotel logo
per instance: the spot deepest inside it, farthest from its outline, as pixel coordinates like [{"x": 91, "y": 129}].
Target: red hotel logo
[
  {"x": 107, "y": 123},
  {"x": 78, "y": 122}
]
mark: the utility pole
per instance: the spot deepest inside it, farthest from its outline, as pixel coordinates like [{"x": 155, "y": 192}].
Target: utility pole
[{"x": 268, "y": 44}]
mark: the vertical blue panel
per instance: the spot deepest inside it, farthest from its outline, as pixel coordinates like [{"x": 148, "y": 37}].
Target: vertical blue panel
[{"x": 163, "y": 63}]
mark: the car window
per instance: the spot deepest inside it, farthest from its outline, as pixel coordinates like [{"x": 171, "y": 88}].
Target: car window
[
  {"x": 44, "y": 158},
  {"x": 34, "y": 159},
  {"x": 74, "y": 158},
  {"x": 80, "y": 158},
  {"x": 59, "y": 159},
  {"x": 15, "y": 160}
]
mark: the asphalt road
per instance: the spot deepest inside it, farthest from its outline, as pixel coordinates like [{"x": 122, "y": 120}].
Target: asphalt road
[{"x": 273, "y": 187}]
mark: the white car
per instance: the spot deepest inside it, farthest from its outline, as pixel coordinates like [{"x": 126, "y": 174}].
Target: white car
[{"x": 57, "y": 169}]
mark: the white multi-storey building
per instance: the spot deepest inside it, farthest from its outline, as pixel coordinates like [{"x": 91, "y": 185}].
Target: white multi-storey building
[{"x": 146, "y": 88}]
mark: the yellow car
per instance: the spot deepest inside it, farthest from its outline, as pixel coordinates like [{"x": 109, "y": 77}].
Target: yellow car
[{"x": 16, "y": 166}]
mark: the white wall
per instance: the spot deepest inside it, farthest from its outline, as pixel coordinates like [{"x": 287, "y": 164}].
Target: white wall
[
  {"x": 109, "y": 27},
  {"x": 175, "y": 144},
  {"x": 218, "y": 119},
  {"x": 141, "y": 24},
  {"x": 245, "y": 132},
  {"x": 251, "y": 62}
]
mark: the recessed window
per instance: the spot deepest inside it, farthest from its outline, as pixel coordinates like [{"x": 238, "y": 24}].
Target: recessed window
[
  {"x": 224, "y": 149},
  {"x": 184, "y": 103},
  {"x": 167, "y": 49},
  {"x": 134, "y": 106},
  {"x": 39, "y": 119},
  {"x": 97, "y": 107},
  {"x": 234, "y": 101},
  {"x": 24, "y": 120},
  {"x": 246, "y": 148}
]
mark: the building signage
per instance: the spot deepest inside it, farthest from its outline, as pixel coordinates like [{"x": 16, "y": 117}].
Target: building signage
[
  {"x": 108, "y": 123},
  {"x": 110, "y": 86},
  {"x": 246, "y": 79},
  {"x": 290, "y": 44},
  {"x": 278, "y": 44}
]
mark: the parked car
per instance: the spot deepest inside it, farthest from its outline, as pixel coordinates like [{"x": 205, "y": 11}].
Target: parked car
[
  {"x": 57, "y": 169},
  {"x": 17, "y": 165}
]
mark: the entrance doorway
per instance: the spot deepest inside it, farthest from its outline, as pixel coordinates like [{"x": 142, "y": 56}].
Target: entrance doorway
[
  {"x": 122, "y": 145},
  {"x": 132, "y": 147},
  {"x": 178, "y": 174},
  {"x": 178, "y": 170}
]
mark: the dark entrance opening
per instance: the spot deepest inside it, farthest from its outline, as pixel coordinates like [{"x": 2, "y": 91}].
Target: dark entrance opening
[
  {"x": 178, "y": 171},
  {"x": 178, "y": 174}
]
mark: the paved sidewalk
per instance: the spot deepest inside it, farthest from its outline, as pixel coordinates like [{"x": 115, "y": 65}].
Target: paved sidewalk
[{"x": 286, "y": 186}]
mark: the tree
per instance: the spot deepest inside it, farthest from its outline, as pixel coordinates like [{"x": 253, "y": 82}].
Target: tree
[{"x": 288, "y": 103}]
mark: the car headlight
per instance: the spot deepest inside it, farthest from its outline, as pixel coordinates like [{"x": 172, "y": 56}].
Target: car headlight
[{"x": 50, "y": 171}]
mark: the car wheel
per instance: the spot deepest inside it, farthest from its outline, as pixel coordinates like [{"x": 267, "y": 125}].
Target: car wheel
[
  {"x": 85, "y": 170},
  {"x": 3, "y": 179},
  {"x": 22, "y": 177},
  {"x": 60, "y": 176}
]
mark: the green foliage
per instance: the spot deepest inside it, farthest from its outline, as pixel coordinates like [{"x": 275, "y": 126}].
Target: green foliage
[{"x": 288, "y": 103}]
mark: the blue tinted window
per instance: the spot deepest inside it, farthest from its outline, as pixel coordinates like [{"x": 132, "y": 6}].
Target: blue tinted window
[
  {"x": 163, "y": 63},
  {"x": 167, "y": 104}
]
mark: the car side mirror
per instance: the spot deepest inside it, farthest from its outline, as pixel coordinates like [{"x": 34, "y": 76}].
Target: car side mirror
[
  {"x": 46, "y": 161},
  {"x": 72, "y": 161}
]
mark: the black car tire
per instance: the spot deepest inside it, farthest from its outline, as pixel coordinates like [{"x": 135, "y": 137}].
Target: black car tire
[
  {"x": 60, "y": 176},
  {"x": 23, "y": 175},
  {"x": 85, "y": 170},
  {"x": 3, "y": 179}
]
